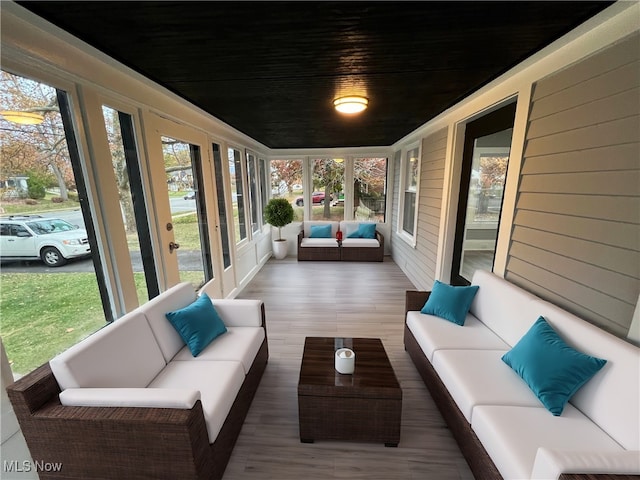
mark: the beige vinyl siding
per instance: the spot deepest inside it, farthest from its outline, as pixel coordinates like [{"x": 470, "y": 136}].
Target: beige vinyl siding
[
  {"x": 576, "y": 233},
  {"x": 419, "y": 263}
]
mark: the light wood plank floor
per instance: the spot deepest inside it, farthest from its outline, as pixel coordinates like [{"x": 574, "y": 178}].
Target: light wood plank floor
[{"x": 349, "y": 300}]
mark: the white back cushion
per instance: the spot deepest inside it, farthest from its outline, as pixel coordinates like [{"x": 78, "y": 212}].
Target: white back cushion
[
  {"x": 502, "y": 306},
  {"x": 122, "y": 354},
  {"x": 350, "y": 226},
  {"x": 612, "y": 397},
  {"x": 307, "y": 227},
  {"x": 175, "y": 298}
]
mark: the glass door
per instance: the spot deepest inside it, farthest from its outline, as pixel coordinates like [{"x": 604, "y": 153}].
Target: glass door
[
  {"x": 224, "y": 221},
  {"x": 183, "y": 178},
  {"x": 484, "y": 170}
]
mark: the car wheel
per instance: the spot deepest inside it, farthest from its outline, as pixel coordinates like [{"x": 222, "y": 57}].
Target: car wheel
[
  {"x": 52, "y": 257},
  {"x": 321, "y": 202},
  {"x": 299, "y": 203}
]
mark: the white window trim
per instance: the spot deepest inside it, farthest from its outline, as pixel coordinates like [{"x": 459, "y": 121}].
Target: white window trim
[
  {"x": 243, "y": 174},
  {"x": 402, "y": 234}
]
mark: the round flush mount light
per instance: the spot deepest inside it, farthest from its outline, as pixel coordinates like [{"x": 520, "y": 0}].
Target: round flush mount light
[
  {"x": 23, "y": 118},
  {"x": 352, "y": 104}
]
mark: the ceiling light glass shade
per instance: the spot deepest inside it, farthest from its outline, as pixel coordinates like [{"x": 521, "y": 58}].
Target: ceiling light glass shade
[
  {"x": 23, "y": 118},
  {"x": 350, "y": 104}
]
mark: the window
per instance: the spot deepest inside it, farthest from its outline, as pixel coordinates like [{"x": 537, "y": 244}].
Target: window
[
  {"x": 46, "y": 310},
  {"x": 254, "y": 195},
  {"x": 124, "y": 156},
  {"x": 410, "y": 180},
  {"x": 262, "y": 182},
  {"x": 369, "y": 189},
  {"x": 286, "y": 182},
  {"x": 222, "y": 206},
  {"x": 485, "y": 160},
  {"x": 327, "y": 196},
  {"x": 237, "y": 197}
]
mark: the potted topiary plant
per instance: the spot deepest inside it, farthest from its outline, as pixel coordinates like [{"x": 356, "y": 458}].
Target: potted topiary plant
[{"x": 279, "y": 213}]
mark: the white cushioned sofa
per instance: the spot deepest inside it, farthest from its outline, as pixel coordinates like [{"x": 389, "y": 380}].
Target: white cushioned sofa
[
  {"x": 502, "y": 428},
  {"x": 356, "y": 249},
  {"x": 131, "y": 401}
]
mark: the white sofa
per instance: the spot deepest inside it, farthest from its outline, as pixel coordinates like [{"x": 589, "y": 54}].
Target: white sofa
[
  {"x": 158, "y": 411},
  {"x": 350, "y": 249},
  {"x": 501, "y": 426}
]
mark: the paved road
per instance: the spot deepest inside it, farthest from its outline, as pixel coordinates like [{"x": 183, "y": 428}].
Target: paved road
[{"x": 188, "y": 260}]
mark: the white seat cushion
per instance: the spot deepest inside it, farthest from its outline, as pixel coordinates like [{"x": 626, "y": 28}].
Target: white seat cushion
[
  {"x": 434, "y": 333},
  {"x": 240, "y": 344},
  {"x": 512, "y": 435},
  {"x": 319, "y": 242},
  {"x": 480, "y": 377},
  {"x": 122, "y": 354},
  {"x": 175, "y": 298},
  {"x": 218, "y": 382},
  {"x": 361, "y": 242}
]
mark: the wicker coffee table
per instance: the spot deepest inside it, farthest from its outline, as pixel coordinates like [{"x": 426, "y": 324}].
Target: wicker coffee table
[{"x": 365, "y": 406}]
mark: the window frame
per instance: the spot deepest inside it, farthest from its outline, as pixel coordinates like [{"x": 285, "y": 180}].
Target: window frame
[
  {"x": 409, "y": 237},
  {"x": 243, "y": 182}
]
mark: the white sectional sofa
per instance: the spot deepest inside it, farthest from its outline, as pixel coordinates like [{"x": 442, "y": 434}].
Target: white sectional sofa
[
  {"x": 131, "y": 401},
  {"x": 503, "y": 430},
  {"x": 350, "y": 249}
]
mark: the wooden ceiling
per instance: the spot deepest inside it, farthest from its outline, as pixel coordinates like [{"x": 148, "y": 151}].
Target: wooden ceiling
[{"x": 272, "y": 69}]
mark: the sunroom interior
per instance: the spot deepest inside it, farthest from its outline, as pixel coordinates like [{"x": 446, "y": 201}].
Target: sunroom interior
[{"x": 494, "y": 139}]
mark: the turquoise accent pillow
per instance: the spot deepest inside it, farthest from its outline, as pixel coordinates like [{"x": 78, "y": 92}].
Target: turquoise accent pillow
[
  {"x": 198, "y": 324},
  {"x": 552, "y": 369},
  {"x": 365, "y": 230},
  {"x": 449, "y": 302},
  {"x": 320, "y": 231}
]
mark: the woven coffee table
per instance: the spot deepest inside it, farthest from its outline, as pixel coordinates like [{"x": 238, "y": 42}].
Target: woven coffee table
[{"x": 365, "y": 406}]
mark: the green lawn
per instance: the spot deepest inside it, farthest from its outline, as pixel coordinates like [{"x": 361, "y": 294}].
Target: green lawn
[{"x": 44, "y": 314}]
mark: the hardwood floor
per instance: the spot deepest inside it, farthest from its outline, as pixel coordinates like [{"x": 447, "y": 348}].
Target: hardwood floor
[{"x": 337, "y": 299}]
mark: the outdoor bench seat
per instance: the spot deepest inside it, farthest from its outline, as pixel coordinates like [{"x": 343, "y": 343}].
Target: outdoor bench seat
[
  {"x": 131, "y": 401},
  {"x": 503, "y": 430},
  {"x": 329, "y": 249}
]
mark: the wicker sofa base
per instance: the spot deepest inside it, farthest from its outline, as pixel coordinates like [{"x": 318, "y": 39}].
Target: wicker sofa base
[
  {"x": 474, "y": 453},
  {"x": 326, "y": 254},
  {"x": 342, "y": 253},
  {"x": 125, "y": 442}
]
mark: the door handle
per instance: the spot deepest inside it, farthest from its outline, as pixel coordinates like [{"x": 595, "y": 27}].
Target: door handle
[{"x": 173, "y": 246}]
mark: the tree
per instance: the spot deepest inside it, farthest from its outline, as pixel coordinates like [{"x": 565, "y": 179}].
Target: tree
[
  {"x": 328, "y": 173},
  {"x": 116, "y": 146},
  {"x": 493, "y": 171},
  {"x": 287, "y": 171},
  {"x": 40, "y": 148}
]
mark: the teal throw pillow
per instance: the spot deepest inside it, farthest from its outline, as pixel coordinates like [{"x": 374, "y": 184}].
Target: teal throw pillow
[
  {"x": 553, "y": 370},
  {"x": 365, "y": 230},
  {"x": 320, "y": 231},
  {"x": 198, "y": 324},
  {"x": 449, "y": 302}
]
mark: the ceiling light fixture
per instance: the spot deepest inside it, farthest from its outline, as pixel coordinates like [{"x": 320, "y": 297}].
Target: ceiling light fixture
[
  {"x": 352, "y": 104},
  {"x": 23, "y": 118}
]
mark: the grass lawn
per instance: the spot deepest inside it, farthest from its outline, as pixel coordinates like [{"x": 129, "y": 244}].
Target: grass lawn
[
  {"x": 44, "y": 314},
  {"x": 44, "y": 205}
]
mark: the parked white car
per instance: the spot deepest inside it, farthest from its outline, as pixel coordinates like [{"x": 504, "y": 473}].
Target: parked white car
[{"x": 32, "y": 237}]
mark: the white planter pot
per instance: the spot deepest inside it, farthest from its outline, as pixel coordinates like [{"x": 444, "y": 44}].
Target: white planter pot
[{"x": 279, "y": 248}]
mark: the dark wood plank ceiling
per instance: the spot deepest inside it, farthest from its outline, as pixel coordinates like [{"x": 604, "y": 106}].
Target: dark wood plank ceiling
[{"x": 272, "y": 69}]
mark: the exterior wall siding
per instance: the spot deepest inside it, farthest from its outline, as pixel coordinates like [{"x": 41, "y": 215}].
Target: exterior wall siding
[
  {"x": 576, "y": 233},
  {"x": 419, "y": 263}
]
